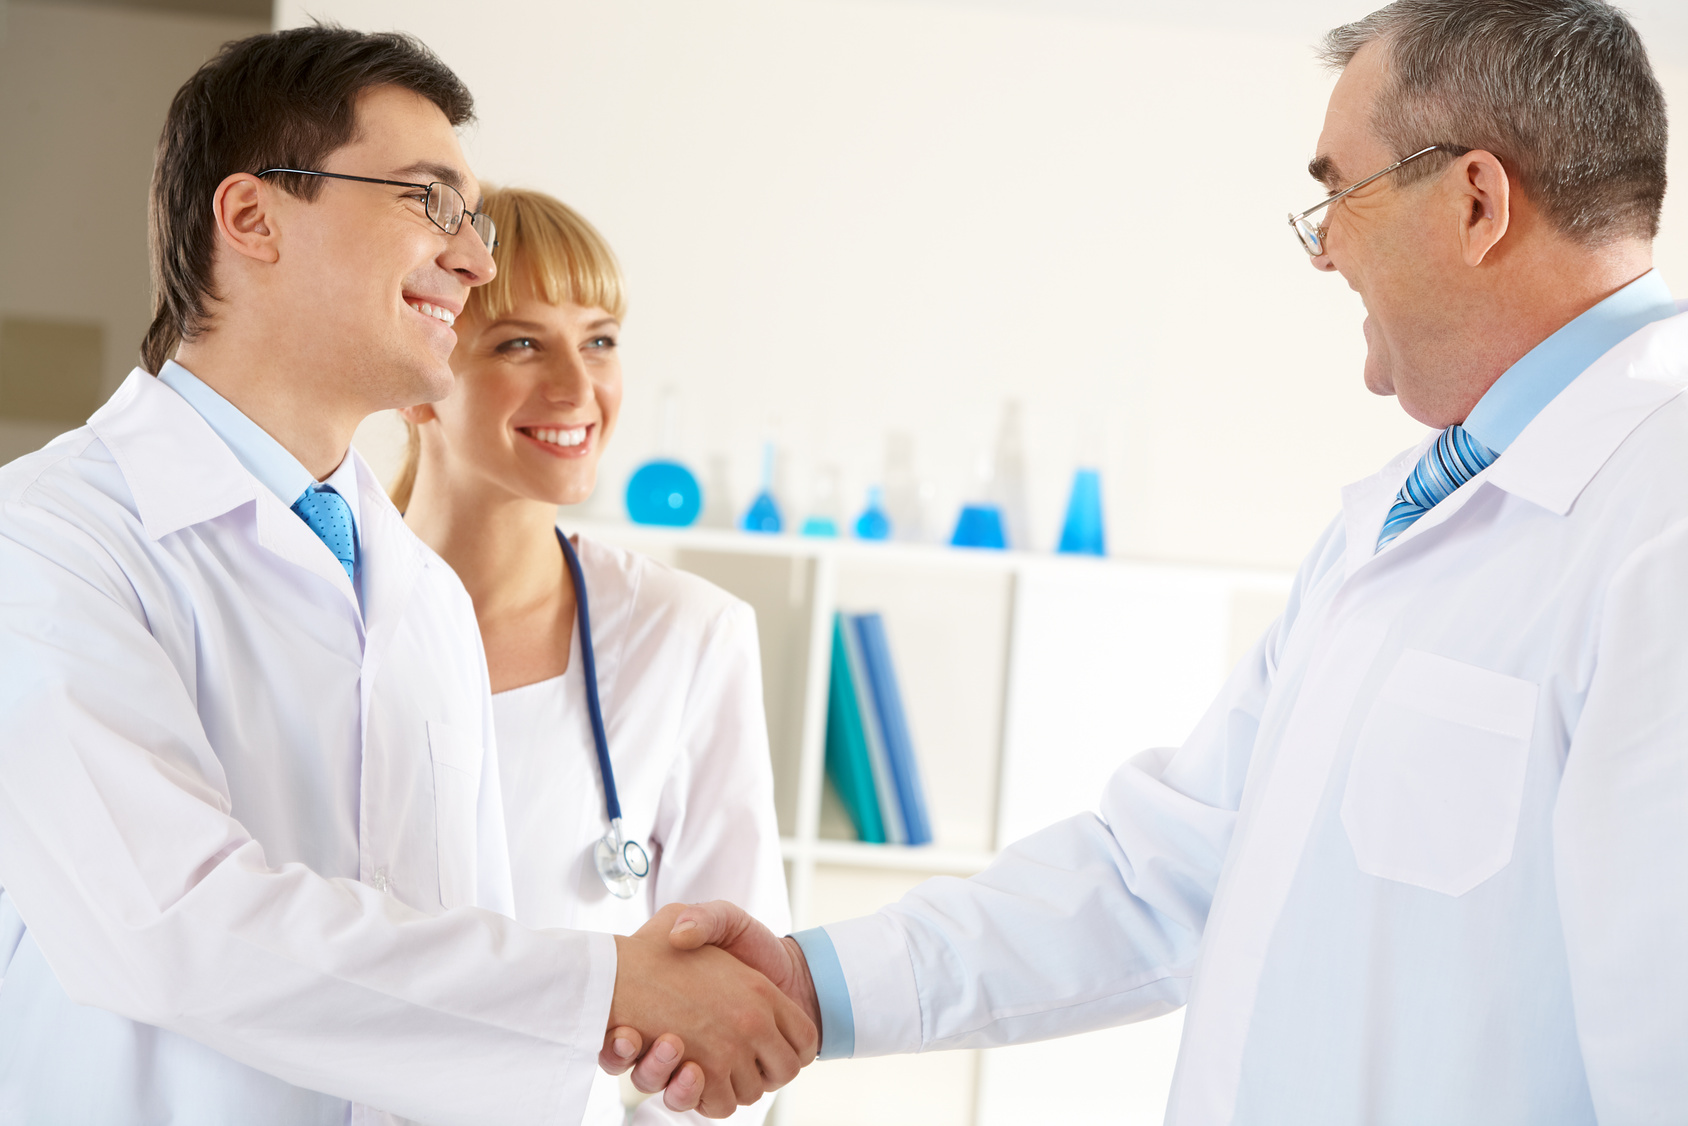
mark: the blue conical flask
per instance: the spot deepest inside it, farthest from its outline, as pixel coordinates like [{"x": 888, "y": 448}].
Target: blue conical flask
[{"x": 1081, "y": 532}]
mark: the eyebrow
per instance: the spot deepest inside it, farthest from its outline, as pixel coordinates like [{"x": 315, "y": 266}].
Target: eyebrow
[
  {"x": 444, "y": 173},
  {"x": 536, "y": 327},
  {"x": 1323, "y": 169}
]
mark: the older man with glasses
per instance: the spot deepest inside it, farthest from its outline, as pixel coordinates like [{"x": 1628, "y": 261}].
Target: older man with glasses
[{"x": 1425, "y": 860}]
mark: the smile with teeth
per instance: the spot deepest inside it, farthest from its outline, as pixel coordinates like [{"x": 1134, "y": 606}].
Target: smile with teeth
[
  {"x": 557, "y": 437},
  {"x": 439, "y": 314}
]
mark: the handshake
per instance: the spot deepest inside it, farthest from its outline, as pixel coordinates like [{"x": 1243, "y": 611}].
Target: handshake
[{"x": 711, "y": 1008}]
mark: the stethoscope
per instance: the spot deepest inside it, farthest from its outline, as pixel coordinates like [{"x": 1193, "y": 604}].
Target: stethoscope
[{"x": 621, "y": 863}]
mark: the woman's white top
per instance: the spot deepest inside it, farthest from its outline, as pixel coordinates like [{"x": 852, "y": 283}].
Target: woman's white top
[{"x": 680, "y": 682}]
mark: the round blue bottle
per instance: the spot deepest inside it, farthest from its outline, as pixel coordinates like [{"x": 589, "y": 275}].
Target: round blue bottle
[{"x": 664, "y": 492}]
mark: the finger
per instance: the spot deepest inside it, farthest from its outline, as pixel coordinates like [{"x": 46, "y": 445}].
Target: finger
[
  {"x": 716, "y": 923},
  {"x": 778, "y": 1064},
  {"x": 686, "y": 1089},
  {"x": 801, "y": 1035},
  {"x": 718, "y": 1099},
  {"x": 654, "y": 1071},
  {"x": 621, "y": 1049},
  {"x": 748, "y": 1084}
]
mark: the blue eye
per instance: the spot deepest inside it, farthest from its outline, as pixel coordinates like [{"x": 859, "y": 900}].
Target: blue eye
[
  {"x": 601, "y": 342},
  {"x": 518, "y": 343}
]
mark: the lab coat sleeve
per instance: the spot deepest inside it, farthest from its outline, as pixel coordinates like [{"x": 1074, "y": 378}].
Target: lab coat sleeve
[
  {"x": 1092, "y": 922},
  {"x": 719, "y": 833},
  {"x": 150, "y": 900},
  {"x": 1621, "y": 844}
]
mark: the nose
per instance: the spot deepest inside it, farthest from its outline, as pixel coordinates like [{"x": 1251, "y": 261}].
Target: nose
[
  {"x": 468, "y": 257},
  {"x": 567, "y": 381},
  {"x": 1322, "y": 262}
]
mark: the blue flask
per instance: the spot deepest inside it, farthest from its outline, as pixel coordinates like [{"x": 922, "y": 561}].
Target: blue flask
[
  {"x": 763, "y": 515},
  {"x": 979, "y": 525},
  {"x": 873, "y": 523},
  {"x": 1082, "y": 533},
  {"x": 664, "y": 492}
]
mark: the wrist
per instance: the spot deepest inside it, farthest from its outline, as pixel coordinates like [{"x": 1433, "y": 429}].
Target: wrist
[{"x": 802, "y": 984}]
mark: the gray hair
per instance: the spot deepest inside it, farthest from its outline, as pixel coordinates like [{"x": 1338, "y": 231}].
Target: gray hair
[{"x": 1559, "y": 90}]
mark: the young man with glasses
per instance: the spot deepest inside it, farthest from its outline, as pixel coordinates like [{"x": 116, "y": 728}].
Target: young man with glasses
[
  {"x": 252, "y": 852},
  {"x": 1425, "y": 860}
]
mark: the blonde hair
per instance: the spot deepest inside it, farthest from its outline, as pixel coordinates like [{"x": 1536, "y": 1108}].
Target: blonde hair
[{"x": 546, "y": 243}]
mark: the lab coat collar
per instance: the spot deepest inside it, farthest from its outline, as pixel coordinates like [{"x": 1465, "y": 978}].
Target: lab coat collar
[
  {"x": 1555, "y": 457},
  {"x": 179, "y": 472}
]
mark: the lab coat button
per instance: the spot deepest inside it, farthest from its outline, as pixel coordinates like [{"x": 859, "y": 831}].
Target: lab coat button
[{"x": 379, "y": 881}]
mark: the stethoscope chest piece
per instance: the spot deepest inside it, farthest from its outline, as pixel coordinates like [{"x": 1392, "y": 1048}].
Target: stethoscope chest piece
[{"x": 621, "y": 863}]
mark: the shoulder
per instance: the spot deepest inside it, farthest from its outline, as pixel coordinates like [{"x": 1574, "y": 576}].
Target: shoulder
[
  {"x": 69, "y": 500},
  {"x": 648, "y": 597}
]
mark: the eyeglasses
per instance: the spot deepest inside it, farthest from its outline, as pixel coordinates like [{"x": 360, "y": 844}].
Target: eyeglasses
[
  {"x": 1313, "y": 238},
  {"x": 445, "y": 204}
]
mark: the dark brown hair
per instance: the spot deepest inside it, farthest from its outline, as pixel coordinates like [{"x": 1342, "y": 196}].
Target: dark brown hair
[
  {"x": 1560, "y": 90},
  {"x": 283, "y": 99}
]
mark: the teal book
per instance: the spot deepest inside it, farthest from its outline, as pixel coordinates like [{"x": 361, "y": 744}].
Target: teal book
[{"x": 847, "y": 762}]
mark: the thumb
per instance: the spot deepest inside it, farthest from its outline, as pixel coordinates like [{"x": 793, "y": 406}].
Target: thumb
[{"x": 718, "y": 923}]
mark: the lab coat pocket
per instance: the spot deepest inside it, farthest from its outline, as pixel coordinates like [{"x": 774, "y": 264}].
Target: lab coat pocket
[
  {"x": 1437, "y": 776},
  {"x": 457, "y": 791}
]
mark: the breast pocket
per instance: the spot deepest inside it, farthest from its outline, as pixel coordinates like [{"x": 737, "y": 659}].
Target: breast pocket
[
  {"x": 1438, "y": 774},
  {"x": 457, "y": 791}
]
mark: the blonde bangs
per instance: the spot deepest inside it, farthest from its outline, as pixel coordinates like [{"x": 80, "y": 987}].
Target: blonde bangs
[{"x": 546, "y": 241}]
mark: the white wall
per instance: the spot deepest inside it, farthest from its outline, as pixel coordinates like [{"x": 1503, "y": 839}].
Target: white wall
[
  {"x": 854, "y": 216},
  {"x": 83, "y": 92}
]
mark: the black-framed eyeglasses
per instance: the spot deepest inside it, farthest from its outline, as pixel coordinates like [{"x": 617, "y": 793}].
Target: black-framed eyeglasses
[
  {"x": 1313, "y": 238},
  {"x": 445, "y": 205}
]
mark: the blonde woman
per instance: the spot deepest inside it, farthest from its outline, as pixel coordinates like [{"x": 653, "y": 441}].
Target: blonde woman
[{"x": 537, "y": 395}]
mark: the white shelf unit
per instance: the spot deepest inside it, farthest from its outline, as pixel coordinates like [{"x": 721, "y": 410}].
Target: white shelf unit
[{"x": 1027, "y": 679}]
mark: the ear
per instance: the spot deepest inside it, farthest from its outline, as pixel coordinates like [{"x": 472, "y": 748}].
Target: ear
[
  {"x": 1483, "y": 194},
  {"x": 419, "y": 414},
  {"x": 245, "y": 224}
]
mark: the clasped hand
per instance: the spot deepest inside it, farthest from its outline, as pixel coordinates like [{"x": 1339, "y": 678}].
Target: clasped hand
[{"x": 711, "y": 1008}]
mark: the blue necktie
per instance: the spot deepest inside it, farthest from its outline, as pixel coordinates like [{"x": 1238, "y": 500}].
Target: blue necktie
[
  {"x": 1455, "y": 458},
  {"x": 327, "y": 514}
]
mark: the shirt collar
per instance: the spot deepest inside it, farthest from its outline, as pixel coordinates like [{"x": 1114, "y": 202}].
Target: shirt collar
[
  {"x": 1547, "y": 369},
  {"x": 263, "y": 456}
]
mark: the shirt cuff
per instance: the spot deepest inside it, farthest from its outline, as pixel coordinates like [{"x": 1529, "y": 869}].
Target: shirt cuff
[{"x": 838, "y": 1022}]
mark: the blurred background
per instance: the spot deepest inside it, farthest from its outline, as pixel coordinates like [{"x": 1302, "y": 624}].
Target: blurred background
[{"x": 853, "y": 227}]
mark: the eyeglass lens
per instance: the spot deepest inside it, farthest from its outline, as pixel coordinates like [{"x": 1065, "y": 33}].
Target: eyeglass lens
[
  {"x": 446, "y": 208},
  {"x": 1311, "y": 240}
]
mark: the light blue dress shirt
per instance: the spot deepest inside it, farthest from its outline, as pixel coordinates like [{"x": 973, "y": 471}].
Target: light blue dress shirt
[
  {"x": 1498, "y": 418},
  {"x": 263, "y": 456}
]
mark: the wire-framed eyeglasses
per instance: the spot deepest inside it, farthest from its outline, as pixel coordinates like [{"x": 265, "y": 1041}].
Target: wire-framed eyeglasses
[
  {"x": 1313, "y": 238},
  {"x": 445, "y": 205}
]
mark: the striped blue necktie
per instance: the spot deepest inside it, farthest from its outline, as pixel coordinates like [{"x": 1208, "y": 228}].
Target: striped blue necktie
[
  {"x": 1452, "y": 460},
  {"x": 327, "y": 514}
]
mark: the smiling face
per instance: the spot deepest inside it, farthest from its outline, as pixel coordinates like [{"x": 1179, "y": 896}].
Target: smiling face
[
  {"x": 368, "y": 286},
  {"x": 1392, "y": 244},
  {"x": 536, "y": 396}
]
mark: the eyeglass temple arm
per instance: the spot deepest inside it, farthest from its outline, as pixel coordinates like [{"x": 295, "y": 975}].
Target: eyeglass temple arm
[{"x": 1328, "y": 200}]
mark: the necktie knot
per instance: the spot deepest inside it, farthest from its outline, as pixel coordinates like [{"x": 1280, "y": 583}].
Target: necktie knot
[
  {"x": 1454, "y": 458},
  {"x": 327, "y": 514}
]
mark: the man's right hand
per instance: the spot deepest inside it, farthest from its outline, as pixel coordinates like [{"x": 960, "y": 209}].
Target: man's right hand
[
  {"x": 724, "y": 925},
  {"x": 746, "y": 1035}
]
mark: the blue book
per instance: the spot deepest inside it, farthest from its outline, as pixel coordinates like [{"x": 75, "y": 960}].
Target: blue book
[
  {"x": 873, "y": 736},
  {"x": 893, "y": 725},
  {"x": 847, "y": 763}
]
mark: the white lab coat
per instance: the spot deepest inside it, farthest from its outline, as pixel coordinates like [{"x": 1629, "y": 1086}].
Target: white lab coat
[
  {"x": 680, "y": 682},
  {"x": 1425, "y": 860},
  {"x": 250, "y": 836}
]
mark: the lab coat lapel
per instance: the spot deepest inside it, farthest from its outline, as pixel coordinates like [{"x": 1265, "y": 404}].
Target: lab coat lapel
[
  {"x": 1366, "y": 503},
  {"x": 391, "y": 560}
]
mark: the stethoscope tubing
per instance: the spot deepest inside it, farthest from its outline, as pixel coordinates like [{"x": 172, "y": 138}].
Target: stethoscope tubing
[{"x": 612, "y": 803}]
